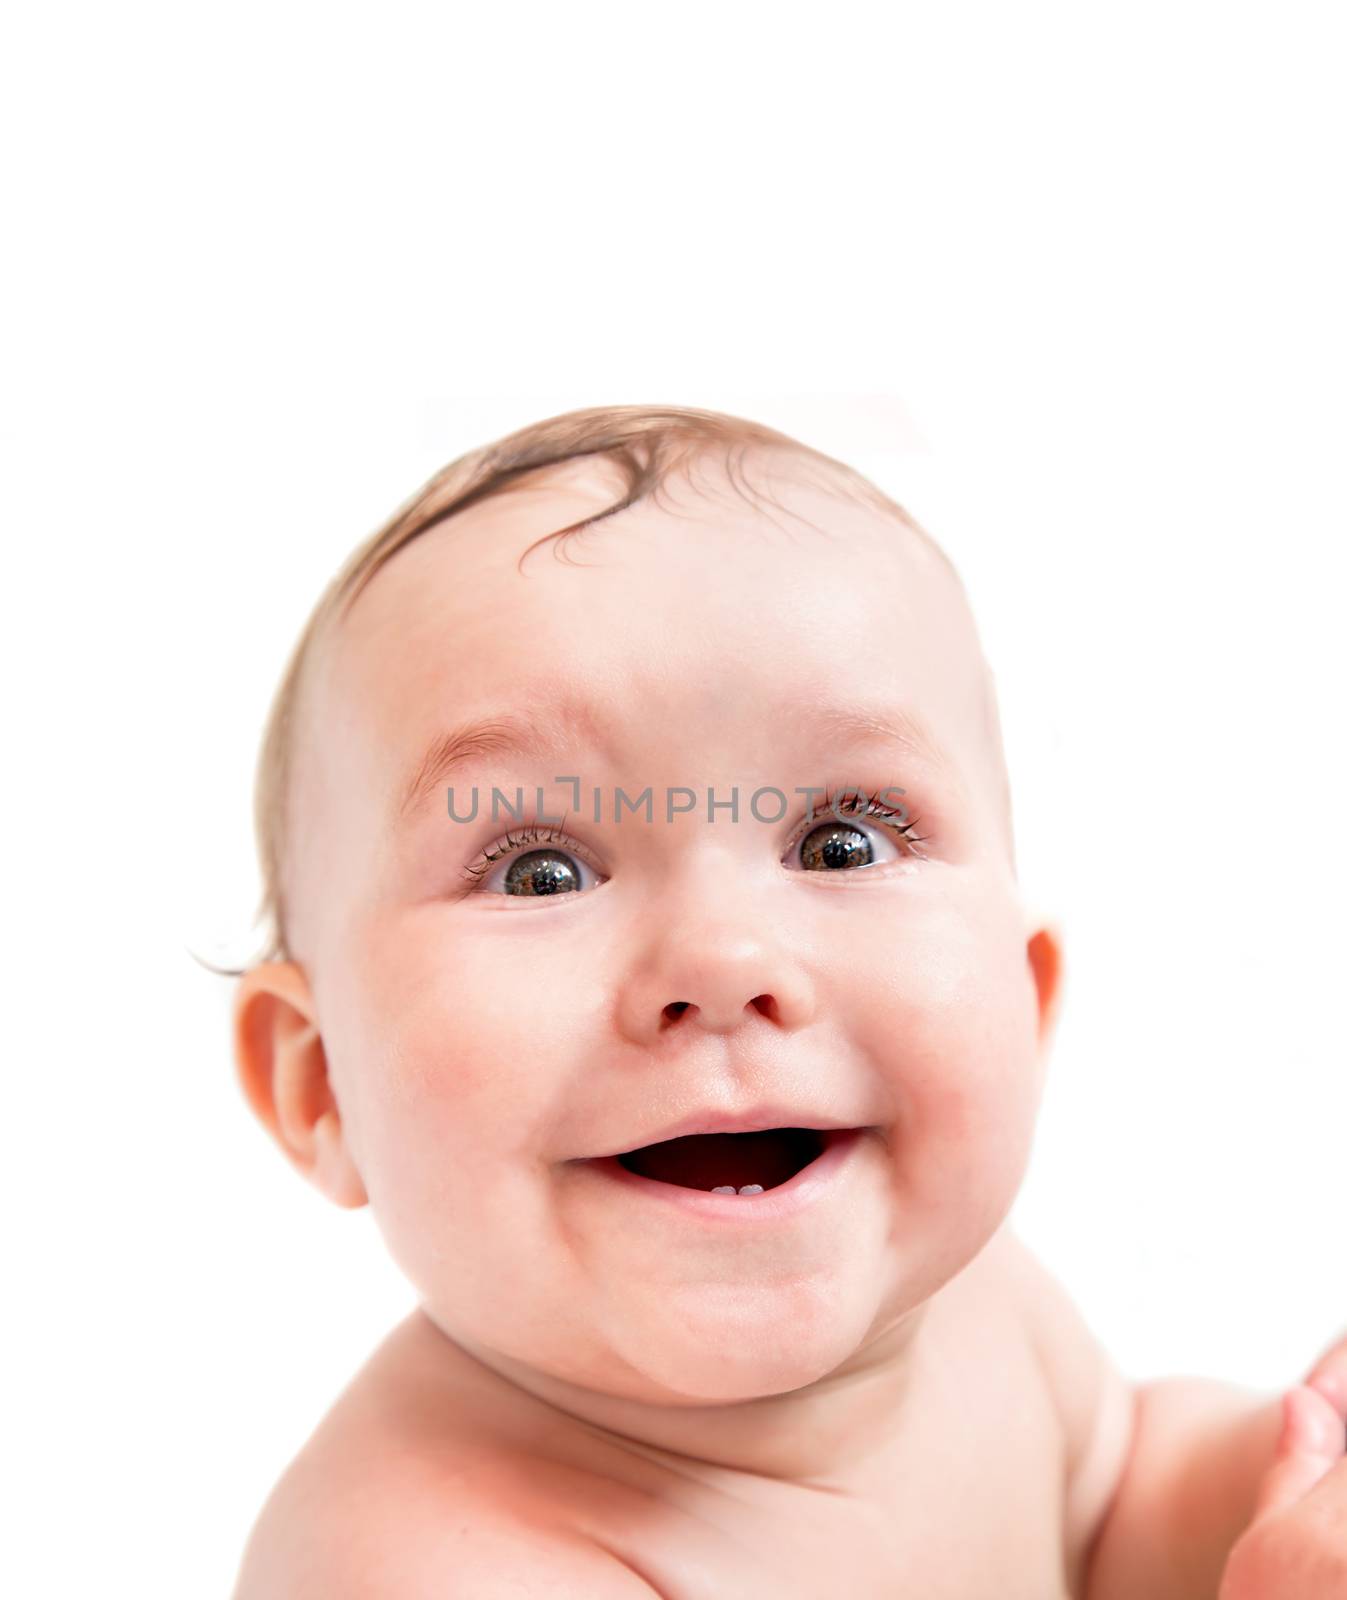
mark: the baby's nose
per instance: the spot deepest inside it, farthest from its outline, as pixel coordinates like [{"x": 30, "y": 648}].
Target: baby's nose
[{"x": 716, "y": 981}]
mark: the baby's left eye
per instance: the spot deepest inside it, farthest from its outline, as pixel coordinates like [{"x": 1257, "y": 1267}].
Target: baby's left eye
[{"x": 831, "y": 844}]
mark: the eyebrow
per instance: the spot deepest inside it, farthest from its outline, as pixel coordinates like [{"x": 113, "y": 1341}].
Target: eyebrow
[
  {"x": 535, "y": 732},
  {"x": 507, "y": 733},
  {"x": 890, "y": 724}
]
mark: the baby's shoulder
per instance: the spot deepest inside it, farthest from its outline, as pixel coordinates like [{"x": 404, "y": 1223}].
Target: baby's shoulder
[
  {"x": 397, "y": 1537},
  {"x": 372, "y": 1506}
]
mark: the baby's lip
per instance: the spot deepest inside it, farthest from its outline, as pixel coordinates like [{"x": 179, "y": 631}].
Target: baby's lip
[{"x": 751, "y": 1119}]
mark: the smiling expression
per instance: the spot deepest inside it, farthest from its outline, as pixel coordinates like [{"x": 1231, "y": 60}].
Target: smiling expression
[{"x": 498, "y": 1012}]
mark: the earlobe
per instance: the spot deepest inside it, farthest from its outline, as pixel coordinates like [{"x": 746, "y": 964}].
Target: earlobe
[
  {"x": 1044, "y": 951},
  {"x": 282, "y": 1068},
  {"x": 333, "y": 1170}
]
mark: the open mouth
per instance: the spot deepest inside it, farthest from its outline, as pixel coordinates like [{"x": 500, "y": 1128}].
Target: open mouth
[{"x": 731, "y": 1163}]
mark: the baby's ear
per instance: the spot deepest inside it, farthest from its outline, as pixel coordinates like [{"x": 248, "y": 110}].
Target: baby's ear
[
  {"x": 282, "y": 1067},
  {"x": 1044, "y": 950}
]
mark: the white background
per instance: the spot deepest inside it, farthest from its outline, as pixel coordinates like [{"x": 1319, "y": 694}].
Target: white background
[{"x": 1066, "y": 280}]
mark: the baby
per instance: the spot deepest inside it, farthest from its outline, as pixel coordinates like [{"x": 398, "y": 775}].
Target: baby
[{"x": 700, "y": 1166}]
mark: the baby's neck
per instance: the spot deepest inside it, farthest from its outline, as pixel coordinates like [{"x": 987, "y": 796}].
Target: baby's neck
[{"x": 824, "y": 1434}]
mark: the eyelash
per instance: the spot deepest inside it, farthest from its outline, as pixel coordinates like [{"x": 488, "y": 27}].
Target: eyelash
[
  {"x": 530, "y": 835},
  {"x": 872, "y": 808},
  {"x": 534, "y": 835}
]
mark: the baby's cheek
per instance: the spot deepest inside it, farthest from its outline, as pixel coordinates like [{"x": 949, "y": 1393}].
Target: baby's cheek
[
  {"x": 436, "y": 1120},
  {"x": 439, "y": 1011},
  {"x": 954, "y": 1031},
  {"x": 417, "y": 1075}
]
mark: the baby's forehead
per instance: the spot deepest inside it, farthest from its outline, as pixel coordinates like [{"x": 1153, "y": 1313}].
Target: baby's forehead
[{"x": 807, "y": 586}]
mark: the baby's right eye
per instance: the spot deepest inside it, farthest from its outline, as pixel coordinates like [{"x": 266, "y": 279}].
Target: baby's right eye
[{"x": 529, "y": 873}]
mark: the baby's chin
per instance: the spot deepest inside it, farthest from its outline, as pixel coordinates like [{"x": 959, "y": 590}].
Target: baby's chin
[
  {"x": 716, "y": 1343},
  {"x": 658, "y": 1333},
  {"x": 665, "y": 1331}
]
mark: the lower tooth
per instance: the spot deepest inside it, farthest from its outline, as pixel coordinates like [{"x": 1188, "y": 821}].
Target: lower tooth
[
  {"x": 751, "y": 1188},
  {"x": 728, "y": 1188}
]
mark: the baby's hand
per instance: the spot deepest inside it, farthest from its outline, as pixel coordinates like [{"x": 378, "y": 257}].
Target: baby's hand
[{"x": 1295, "y": 1548}]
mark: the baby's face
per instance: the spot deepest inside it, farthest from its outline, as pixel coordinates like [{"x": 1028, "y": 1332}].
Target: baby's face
[{"x": 488, "y": 1041}]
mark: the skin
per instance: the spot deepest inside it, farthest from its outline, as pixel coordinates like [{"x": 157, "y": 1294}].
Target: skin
[
  {"x": 449, "y": 1054},
  {"x": 1295, "y": 1546}
]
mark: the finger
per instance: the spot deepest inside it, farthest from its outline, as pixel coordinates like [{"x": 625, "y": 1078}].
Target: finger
[
  {"x": 1333, "y": 1387},
  {"x": 1310, "y": 1444},
  {"x": 1329, "y": 1375}
]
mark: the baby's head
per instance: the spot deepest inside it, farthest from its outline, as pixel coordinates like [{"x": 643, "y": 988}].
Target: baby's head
[{"x": 811, "y": 920}]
